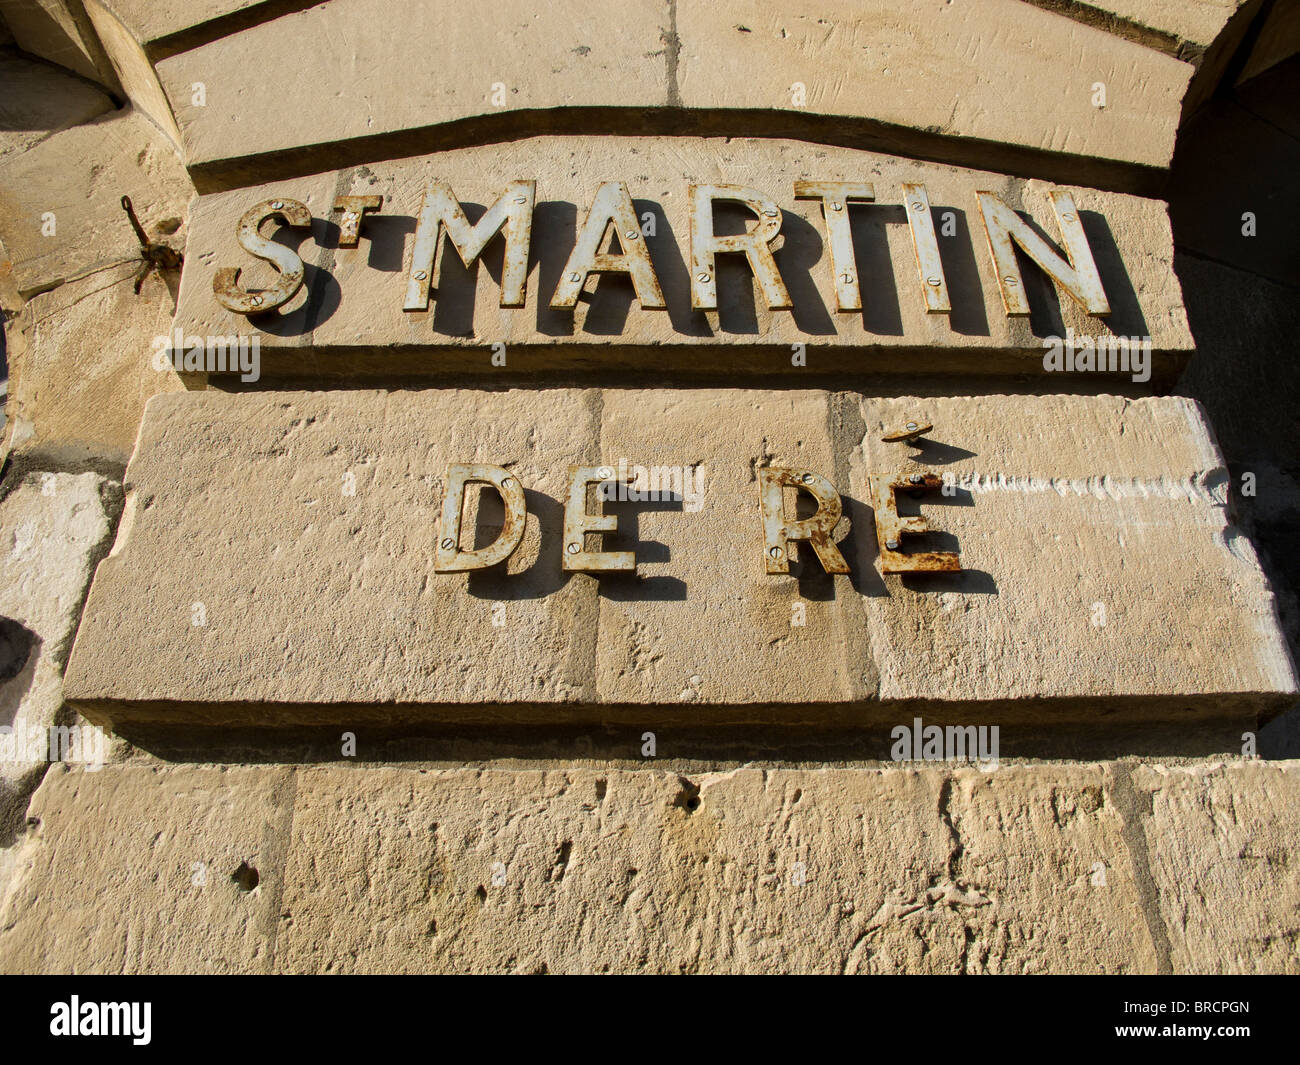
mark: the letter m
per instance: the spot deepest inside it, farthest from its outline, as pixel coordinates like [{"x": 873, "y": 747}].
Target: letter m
[{"x": 512, "y": 215}]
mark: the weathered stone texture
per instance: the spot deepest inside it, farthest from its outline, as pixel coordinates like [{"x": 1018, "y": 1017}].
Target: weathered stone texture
[
  {"x": 79, "y": 175},
  {"x": 133, "y": 870},
  {"x": 81, "y": 369},
  {"x": 39, "y": 99},
  {"x": 1134, "y": 522},
  {"x": 1223, "y": 859},
  {"x": 1026, "y": 869},
  {"x": 349, "y": 313},
  {"x": 54, "y": 527},
  {"x": 953, "y": 79}
]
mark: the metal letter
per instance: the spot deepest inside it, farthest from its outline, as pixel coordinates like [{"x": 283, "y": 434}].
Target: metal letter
[
  {"x": 835, "y": 197},
  {"x": 754, "y": 245},
  {"x": 1078, "y": 276},
  {"x": 225, "y": 283},
  {"x": 926, "y": 246},
  {"x": 612, "y": 206},
  {"x": 892, "y": 526},
  {"x": 816, "y": 530},
  {"x": 440, "y": 210},
  {"x": 448, "y": 556},
  {"x": 354, "y": 209},
  {"x": 578, "y": 522}
]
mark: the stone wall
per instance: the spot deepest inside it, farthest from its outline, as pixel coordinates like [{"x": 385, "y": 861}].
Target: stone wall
[{"x": 321, "y": 754}]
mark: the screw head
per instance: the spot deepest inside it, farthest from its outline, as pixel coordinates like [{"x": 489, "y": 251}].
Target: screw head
[
  {"x": 912, "y": 427},
  {"x": 521, "y": 199},
  {"x": 419, "y": 275},
  {"x": 892, "y": 545},
  {"x": 632, "y": 234},
  {"x": 575, "y": 276},
  {"x": 846, "y": 277},
  {"x": 771, "y": 214},
  {"x": 837, "y": 206},
  {"x": 701, "y": 276},
  {"x": 277, "y": 205},
  {"x": 807, "y": 478},
  {"x": 256, "y": 301},
  {"x": 775, "y": 552},
  {"x": 448, "y": 543},
  {"x": 1067, "y": 217},
  {"x": 573, "y": 549},
  {"x": 916, "y": 478},
  {"x": 507, "y": 482},
  {"x": 917, "y": 205},
  {"x": 1009, "y": 280},
  {"x": 932, "y": 281}
]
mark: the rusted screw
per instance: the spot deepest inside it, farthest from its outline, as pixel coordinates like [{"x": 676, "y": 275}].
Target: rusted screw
[
  {"x": 892, "y": 545},
  {"x": 916, "y": 478}
]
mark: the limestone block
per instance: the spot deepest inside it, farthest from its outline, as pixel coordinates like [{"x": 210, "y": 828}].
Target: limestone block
[
  {"x": 60, "y": 32},
  {"x": 1097, "y": 554},
  {"x": 703, "y": 623},
  {"x": 896, "y": 70},
  {"x": 1046, "y": 868},
  {"x": 327, "y": 562},
  {"x": 73, "y": 397},
  {"x": 144, "y": 869},
  {"x": 1101, "y": 582},
  {"x": 1183, "y": 27},
  {"x": 162, "y": 27},
  {"x": 991, "y": 69},
  {"x": 134, "y": 71},
  {"x": 79, "y": 177},
  {"x": 1223, "y": 861},
  {"x": 349, "y": 312},
  {"x": 54, "y": 528},
  {"x": 39, "y": 99}
]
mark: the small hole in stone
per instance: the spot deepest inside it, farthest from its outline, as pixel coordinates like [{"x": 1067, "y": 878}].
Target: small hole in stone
[
  {"x": 481, "y": 894},
  {"x": 245, "y": 877}
]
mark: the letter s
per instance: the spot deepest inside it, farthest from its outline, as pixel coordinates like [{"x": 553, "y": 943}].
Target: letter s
[{"x": 225, "y": 283}]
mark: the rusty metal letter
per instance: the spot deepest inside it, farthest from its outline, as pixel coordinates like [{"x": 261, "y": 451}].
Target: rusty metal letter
[
  {"x": 754, "y": 245},
  {"x": 816, "y": 530},
  {"x": 225, "y": 283},
  {"x": 891, "y": 526},
  {"x": 612, "y": 206},
  {"x": 836, "y": 197},
  {"x": 578, "y": 521},
  {"x": 354, "y": 209},
  {"x": 512, "y": 214},
  {"x": 921, "y": 224},
  {"x": 448, "y": 557},
  {"x": 1077, "y": 273}
]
